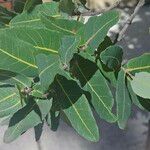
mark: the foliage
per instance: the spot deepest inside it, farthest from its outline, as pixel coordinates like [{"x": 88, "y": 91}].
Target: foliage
[{"x": 52, "y": 67}]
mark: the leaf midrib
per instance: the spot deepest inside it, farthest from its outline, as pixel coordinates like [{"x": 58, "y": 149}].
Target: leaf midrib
[
  {"x": 69, "y": 49},
  {"x": 6, "y": 75},
  {"x": 7, "y": 97},
  {"x": 45, "y": 69},
  {"x": 93, "y": 36},
  {"x": 46, "y": 49},
  {"x": 22, "y": 120},
  {"x": 10, "y": 107},
  {"x": 75, "y": 109},
  {"x": 112, "y": 58},
  {"x": 137, "y": 68},
  {"x": 29, "y": 21},
  {"x": 96, "y": 93},
  {"x": 18, "y": 59},
  {"x": 58, "y": 27}
]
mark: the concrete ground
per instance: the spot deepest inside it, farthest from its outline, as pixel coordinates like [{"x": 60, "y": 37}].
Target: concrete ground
[{"x": 112, "y": 138}]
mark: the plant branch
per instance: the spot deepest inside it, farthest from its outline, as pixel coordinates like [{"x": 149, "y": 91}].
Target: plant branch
[
  {"x": 129, "y": 21},
  {"x": 28, "y": 90},
  {"x": 92, "y": 13},
  {"x": 127, "y": 72}
]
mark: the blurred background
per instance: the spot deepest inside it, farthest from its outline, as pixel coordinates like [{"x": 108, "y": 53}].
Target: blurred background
[{"x": 137, "y": 134}]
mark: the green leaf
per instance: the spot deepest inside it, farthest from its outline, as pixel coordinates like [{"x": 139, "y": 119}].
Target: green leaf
[
  {"x": 15, "y": 79},
  {"x": 141, "y": 84},
  {"x": 33, "y": 18},
  {"x": 145, "y": 103},
  {"x": 44, "y": 40},
  {"x": 95, "y": 30},
  {"x": 14, "y": 56},
  {"x": 9, "y": 100},
  {"x": 67, "y": 6},
  {"x": 37, "y": 91},
  {"x": 5, "y": 16},
  {"x": 18, "y": 5},
  {"x": 30, "y": 4},
  {"x": 135, "y": 99},
  {"x": 5, "y": 121},
  {"x": 29, "y": 116},
  {"x": 110, "y": 76},
  {"x": 44, "y": 107},
  {"x": 112, "y": 57},
  {"x": 75, "y": 106},
  {"x": 38, "y": 131},
  {"x": 68, "y": 48},
  {"x": 139, "y": 64},
  {"x": 105, "y": 44},
  {"x": 68, "y": 27},
  {"x": 102, "y": 98},
  {"x": 123, "y": 100},
  {"x": 48, "y": 67},
  {"x": 92, "y": 80},
  {"x": 52, "y": 120}
]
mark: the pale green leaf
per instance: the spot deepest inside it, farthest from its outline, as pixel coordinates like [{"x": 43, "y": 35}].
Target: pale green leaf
[
  {"x": 135, "y": 99},
  {"x": 139, "y": 64},
  {"x": 141, "y": 84}
]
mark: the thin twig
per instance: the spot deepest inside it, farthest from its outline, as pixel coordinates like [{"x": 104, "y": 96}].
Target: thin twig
[
  {"x": 129, "y": 21},
  {"x": 127, "y": 72},
  {"x": 92, "y": 13}
]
